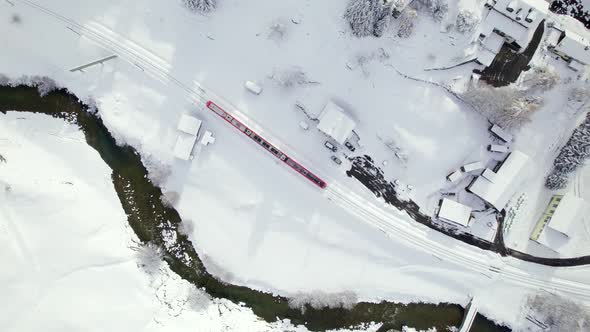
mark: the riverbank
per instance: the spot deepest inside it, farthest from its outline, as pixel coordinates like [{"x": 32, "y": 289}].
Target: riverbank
[{"x": 153, "y": 222}]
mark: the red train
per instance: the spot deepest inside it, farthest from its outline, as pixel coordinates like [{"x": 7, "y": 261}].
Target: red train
[{"x": 266, "y": 145}]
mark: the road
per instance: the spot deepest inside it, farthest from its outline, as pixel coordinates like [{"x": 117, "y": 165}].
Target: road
[{"x": 395, "y": 226}]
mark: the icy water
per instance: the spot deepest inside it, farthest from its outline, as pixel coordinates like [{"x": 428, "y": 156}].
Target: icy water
[{"x": 149, "y": 217}]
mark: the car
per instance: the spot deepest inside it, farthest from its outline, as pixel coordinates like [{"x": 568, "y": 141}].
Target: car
[
  {"x": 350, "y": 146},
  {"x": 336, "y": 160},
  {"x": 330, "y": 146}
]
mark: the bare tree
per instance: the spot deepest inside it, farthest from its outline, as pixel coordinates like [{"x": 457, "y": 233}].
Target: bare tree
[
  {"x": 407, "y": 21},
  {"x": 540, "y": 78},
  {"x": 319, "y": 300},
  {"x": 505, "y": 106},
  {"x": 558, "y": 313},
  {"x": 203, "y": 6},
  {"x": 368, "y": 17},
  {"x": 467, "y": 21},
  {"x": 290, "y": 77},
  {"x": 436, "y": 8}
]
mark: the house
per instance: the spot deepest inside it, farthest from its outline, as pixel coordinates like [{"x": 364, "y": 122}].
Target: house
[
  {"x": 509, "y": 21},
  {"x": 500, "y": 133},
  {"x": 454, "y": 212},
  {"x": 188, "y": 127},
  {"x": 335, "y": 123},
  {"x": 559, "y": 222},
  {"x": 497, "y": 189},
  {"x": 473, "y": 166},
  {"x": 569, "y": 39}
]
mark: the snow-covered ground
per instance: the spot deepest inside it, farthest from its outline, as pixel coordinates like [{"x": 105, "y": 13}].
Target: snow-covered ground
[
  {"x": 255, "y": 222},
  {"x": 71, "y": 260}
]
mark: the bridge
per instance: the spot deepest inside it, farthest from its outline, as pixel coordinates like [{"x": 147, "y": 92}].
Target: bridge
[{"x": 469, "y": 317}]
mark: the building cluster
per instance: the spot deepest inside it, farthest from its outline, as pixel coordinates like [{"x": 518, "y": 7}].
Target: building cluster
[
  {"x": 512, "y": 23},
  {"x": 188, "y": 133}
]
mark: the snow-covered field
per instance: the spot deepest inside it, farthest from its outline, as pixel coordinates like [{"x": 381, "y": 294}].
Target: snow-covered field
[
  {"x": 255, "y": 222},
  {"x": 70, "y": 259}
]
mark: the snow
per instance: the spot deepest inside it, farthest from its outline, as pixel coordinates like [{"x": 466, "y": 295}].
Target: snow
[
  {"x": 575, "y": 46},
  {"x": 498, "y": 193},
  {"x": 256, "y": 223},
  {"x": 454, "y": 212},
  {"x": 474, "y": 166},
  {"x": 73, "y": 259},
  {"x": 334, "y": 122},
  {"x": 501, "y": 133}
]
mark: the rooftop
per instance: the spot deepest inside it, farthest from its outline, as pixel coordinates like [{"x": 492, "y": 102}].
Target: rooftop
[
  {"x": 189, "y": 124},
  {"x": 570, "y": 210},
  {"x": 454, "y": 212},
  {"x": 335, "y": 123},
  {"x": 498, "y": 193}
]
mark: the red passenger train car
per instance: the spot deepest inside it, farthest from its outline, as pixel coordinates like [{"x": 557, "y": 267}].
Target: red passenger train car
[{"x": 266, "y": 145}]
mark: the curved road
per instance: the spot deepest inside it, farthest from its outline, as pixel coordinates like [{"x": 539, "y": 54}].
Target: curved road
[{"x": 394, "y": 226}]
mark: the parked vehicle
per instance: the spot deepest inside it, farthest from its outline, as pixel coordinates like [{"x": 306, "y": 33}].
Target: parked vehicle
[
  {"x": 350, "y": 146},
  {"x": 498, "y": 148},
  {"x": 330, "y": 146},
  {"x": 336, "y": 160}
]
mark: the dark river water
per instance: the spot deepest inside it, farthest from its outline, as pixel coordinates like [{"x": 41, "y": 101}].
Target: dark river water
[{"x": 149, "y": 217}]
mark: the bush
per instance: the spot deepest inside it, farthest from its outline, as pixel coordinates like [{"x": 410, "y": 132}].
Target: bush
[
  {"x": 556, "y": 180},
  {"x": 407, "y": 21},
  {"x": 368, "y": 17},
  {"x": 203, "y": 6},
  {"x": 467, "y": 21},
  {"x": 436, "y": 8}
]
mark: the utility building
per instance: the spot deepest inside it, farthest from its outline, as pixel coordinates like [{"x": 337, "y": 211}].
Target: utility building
[
  {"x": 188, "y": 127},
  {"x": 496, "y": 189},
  {"x": 335, "y": 123},
  {"x": 454, "y": 212}
]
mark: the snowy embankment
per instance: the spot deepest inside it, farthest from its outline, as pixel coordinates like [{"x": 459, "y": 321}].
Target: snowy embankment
[
  {"x": 255, "y": 223},
  {"x": 71, "y": 261}
]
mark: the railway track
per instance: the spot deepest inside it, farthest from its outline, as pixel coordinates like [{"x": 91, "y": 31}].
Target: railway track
[{"x": 393, "y": 226}]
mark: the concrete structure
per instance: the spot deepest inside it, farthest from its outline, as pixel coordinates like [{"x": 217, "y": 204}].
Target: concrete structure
[
  {"x": 559, "y": 221},
  {"x": 207, "y": 138},
  {"x": 335, "y": 123},
  {"x": 509, "y": 21},
  {"x": 454, "y": 212},
  {"x": 188, "y": 127},
  {"x": 569, "y": 39},
  {"x": 469, "y": 316},
  {"x": 505, "y": 181}
]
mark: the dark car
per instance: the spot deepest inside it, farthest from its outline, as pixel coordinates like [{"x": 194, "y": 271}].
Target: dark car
[
  {"x": 336, "y": 160},
  {"x": 349, "y": 146}
]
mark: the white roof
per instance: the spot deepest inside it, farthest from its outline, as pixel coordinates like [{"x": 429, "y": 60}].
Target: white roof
[
  {"x": 456, "y": 175},
  {"x": 504, "y": 135},
  {"x": 570, "y": 210},
  {"x": 335, "y": 123},
  {"x": 489, "y": 174},
  {"x": 473, "y": 166},
  {"x": 189, "y": 124},
  {"x": 493, "y": 42},
  {"x": 511, "y": 28},
  {"x": 485, "y": 57},
  {"x": 498, "y": 193},
  {"x": 184, "y": 146},
  {"x": 554, "y": 240},
  {"x": 207, "y": 138},
  {"x": 454, "y": 212},
  {"x": 575, "y": 46}
]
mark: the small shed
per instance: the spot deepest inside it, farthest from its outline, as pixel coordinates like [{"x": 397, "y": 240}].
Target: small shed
[
  {"x": 501, "y": 133},
  {"x": 189, "y": 124},
  {"x": 454, "y": 212},
  {"x": 473, "y": 166},
  {"x": 184, "y": 146},
  {"x": 207, "y": 138},
  {"x": 455, "y": 176},
  {"x": 334, "y": 122}
]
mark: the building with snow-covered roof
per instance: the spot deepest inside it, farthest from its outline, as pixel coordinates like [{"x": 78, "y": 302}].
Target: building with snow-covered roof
[
  {"x": 498, "y": 191},
  {"x": 509, "y": 21},
  {"x": 334, "y": 122},
  {"x": 558, "y": 224},
  {"x": 455, "y": 212},
  {"x": 569, "y": 39},
  {"x": 189, "y": 124},
  {"x": 188, "y": 127}
]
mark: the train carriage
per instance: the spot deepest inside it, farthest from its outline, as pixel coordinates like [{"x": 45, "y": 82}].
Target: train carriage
[{"x": 264, "y": 143}]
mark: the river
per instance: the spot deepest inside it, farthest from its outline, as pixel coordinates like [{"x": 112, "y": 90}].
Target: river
[{"x": 148, "y": 217}]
